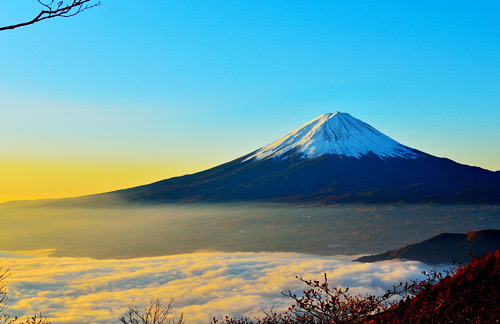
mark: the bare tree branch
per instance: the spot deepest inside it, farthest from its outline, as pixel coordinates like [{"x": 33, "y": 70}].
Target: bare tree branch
[
  {"x": 59, "y": 9},
  {"x": 155, "y": 313}
]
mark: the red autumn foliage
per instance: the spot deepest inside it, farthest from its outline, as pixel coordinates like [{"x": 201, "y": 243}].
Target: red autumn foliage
[{"x": 471, "y": 295}]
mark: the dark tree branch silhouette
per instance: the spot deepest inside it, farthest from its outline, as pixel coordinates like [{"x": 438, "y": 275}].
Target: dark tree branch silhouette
[
  {"x": 58, "y": 9},
  {"x": 4, "y": 274},
  {"x": 6, "y": 318},
  {"x": 155, "y": 313}
]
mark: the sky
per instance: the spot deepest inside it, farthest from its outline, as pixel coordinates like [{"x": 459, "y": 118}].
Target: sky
[{"x": 133, "y": 92}]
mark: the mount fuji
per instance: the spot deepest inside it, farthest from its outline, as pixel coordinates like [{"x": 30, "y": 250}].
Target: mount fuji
[{"x": 334, "y": 158}]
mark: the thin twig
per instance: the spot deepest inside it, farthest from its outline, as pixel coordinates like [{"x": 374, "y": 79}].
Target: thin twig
[{"x": 60, "y": 11}]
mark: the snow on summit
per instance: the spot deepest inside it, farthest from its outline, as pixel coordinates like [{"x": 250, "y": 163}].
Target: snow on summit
[{"x": 337, "y": 134}]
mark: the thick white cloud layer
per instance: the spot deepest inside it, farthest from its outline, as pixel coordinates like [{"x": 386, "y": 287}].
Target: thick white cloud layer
[{"x": 203, "y": 285}]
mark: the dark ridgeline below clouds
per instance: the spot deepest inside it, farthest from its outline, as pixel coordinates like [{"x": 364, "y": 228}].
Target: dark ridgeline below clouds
[{"x": 444, "y": 248}]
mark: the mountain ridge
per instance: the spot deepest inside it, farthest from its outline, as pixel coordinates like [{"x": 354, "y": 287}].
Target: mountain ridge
[
  {"x": 443, "y": 248},
  {"x": 368, "y": 180}
]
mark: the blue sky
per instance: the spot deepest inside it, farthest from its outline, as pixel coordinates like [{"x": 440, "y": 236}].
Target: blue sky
[{"x": 176, "y": 87}]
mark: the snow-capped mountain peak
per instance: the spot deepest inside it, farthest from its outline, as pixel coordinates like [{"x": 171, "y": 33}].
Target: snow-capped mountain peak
[{"x": 337, "y": 134}]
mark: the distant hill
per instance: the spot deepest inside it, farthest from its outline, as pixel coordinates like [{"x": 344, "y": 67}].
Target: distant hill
[{"x": 444, "y": 248}]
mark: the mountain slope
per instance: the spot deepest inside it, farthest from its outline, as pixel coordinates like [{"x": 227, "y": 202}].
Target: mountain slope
[
  {"x": 444, "y": 248},
  {"x": 334, "y": 158}
]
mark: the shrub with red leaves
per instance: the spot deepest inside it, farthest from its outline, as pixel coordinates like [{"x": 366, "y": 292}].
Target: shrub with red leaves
[
  {"x": 471, "y": 295},
  {"x": 324, "y": 304}
]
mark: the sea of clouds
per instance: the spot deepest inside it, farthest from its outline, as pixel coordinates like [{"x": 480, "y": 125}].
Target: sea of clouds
[{"x": 203, "y": 285}]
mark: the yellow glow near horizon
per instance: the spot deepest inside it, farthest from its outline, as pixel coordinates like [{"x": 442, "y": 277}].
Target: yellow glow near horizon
[{"x": 29, "y": 179}]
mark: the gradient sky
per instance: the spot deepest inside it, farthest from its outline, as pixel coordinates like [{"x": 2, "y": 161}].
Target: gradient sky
[{"x": 137, "y": 91}]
